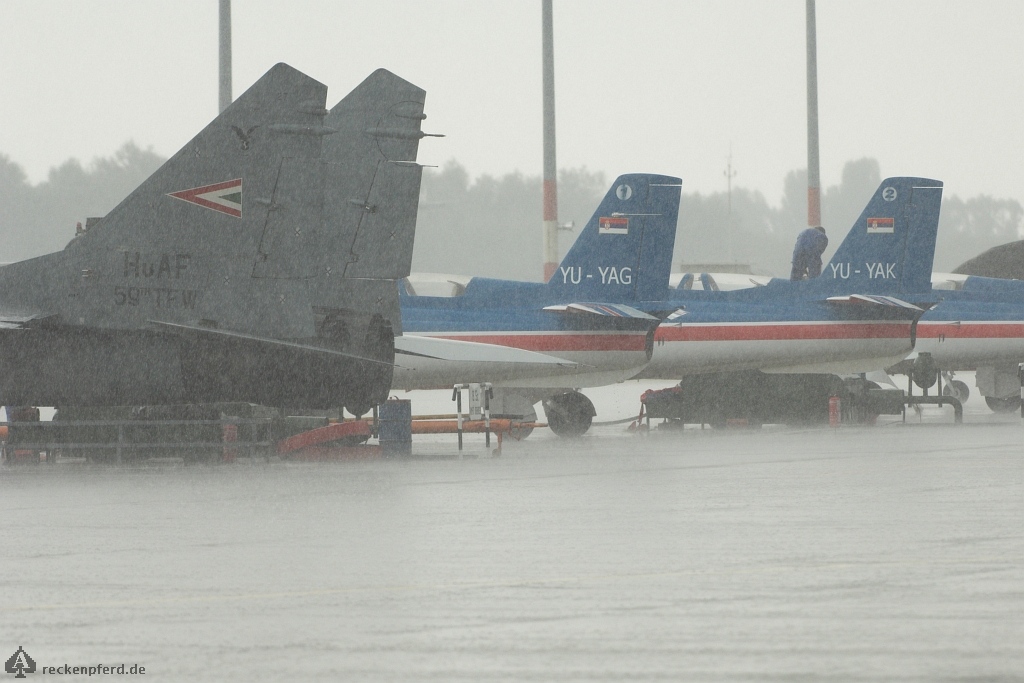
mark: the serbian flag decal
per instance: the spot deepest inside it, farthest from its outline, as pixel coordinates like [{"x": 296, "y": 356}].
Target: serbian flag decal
[
  {"x": 225, "y": 197},
  {"x": 613, "y": 226},
  {"x": 880, "y": 226}
]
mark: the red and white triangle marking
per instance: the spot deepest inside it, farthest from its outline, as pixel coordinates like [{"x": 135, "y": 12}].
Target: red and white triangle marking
[{"x": 225, "y": 197}]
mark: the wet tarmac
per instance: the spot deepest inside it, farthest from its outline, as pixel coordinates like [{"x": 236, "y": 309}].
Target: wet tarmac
[{"x": 891, "y": 553}]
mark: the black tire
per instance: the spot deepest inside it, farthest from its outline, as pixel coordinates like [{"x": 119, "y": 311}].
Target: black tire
[
  {"x": 359, "y": 409},
  {"x": 1003, "y": 405},
  {"x": 957, "y": 389},
  {"x": 570, "y": 414}
]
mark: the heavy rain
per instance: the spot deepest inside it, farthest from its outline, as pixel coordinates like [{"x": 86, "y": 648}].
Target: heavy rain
[{"x": 317, "y": 362}]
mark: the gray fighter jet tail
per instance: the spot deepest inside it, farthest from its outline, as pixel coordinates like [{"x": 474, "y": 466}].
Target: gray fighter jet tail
[
  {"x": 213, "y": 280},
  {"x": 378, "y": 127},
  {"x": 373, "y": 185}
]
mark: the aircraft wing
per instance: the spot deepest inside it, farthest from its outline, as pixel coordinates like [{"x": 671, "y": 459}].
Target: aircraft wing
[
  {"x": 605, "y": 310},
  {"x": 471, "y": 352},
  {"x": 874, "y": 300},
  {"x": 427, "y": 347}
]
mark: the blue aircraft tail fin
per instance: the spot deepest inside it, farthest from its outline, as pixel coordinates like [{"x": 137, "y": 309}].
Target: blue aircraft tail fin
[
  {"x": 890, "y": 249},
  {"x": 625, "y": 251}
]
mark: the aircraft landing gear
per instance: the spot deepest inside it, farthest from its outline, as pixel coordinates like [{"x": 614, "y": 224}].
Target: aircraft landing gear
[
  {"x": 1003, "y": 405},
  {"x": 957, "y": 389},
  {"x": 359, "y": 409},
  {"x": 569, "y": 414},
  {"x": 1001, "y": 386}
]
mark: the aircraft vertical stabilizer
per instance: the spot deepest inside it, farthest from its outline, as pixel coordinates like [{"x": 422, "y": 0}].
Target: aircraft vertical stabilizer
[
  {"x": 624, "y": 253},
  {"x": 209, "y": 282},
  {"x": 372, "y": 195},
  {"x": 889, "y": 250},
  {"x": 374, "y": 180}
]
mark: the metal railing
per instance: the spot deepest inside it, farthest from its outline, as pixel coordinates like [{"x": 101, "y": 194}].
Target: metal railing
[{"x": 121, "y": 439}]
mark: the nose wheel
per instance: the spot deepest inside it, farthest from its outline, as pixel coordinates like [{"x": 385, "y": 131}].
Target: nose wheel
[{"x": 957, "y": 389}]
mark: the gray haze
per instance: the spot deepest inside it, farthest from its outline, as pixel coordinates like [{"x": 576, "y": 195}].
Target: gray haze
[
  {"x": 491, "y": 218},
  {"x": 926, "y": 88},
  {"x": 488, "y": 225},
  {"x": 884, "y": 553}
]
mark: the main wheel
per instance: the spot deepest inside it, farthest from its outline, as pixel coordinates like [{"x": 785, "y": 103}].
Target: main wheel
[
  {"x": 359, "y": 409},
  {"x": 957, "y": 389},
  {"x": 569, "y": 414},
  {"x": 1003, "y": 405}
]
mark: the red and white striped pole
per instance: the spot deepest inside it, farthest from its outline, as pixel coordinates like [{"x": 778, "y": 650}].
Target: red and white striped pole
[{"x": 550, "y": 168}]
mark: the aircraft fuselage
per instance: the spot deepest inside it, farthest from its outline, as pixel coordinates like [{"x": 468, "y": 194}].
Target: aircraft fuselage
[
  {"x": 614, "y": 351},
  {"x": 82, "y": 366}
]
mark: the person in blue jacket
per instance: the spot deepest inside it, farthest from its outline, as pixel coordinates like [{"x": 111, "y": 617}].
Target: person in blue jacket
[{"x": 810, "y": 245}]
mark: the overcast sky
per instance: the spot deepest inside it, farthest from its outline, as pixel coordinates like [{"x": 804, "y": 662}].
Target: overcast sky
[{"x": 668, "y": 86}]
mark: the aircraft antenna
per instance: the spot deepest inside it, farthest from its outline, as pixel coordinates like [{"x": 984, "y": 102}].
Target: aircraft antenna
[{"x": 729, "y": 173}]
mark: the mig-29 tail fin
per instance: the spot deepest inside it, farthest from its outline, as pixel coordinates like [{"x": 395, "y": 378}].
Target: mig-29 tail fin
[
  {"x": 372, "y": 196},
  {"x": 216, "y": 273},
  {"x": 238, "y": 245},
  {"x": 224, "y": 230},
  {"x": 373, "y": 177}
]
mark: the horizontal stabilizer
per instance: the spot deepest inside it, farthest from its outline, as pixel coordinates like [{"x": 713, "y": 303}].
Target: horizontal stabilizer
[
  {"x": 13, "y": 322},
  {"x": 241, "y": 337},
  {"x": 471, "y": 352},
  {"x": 873, "y": 300},
  {"x": 607, "y": 310}
]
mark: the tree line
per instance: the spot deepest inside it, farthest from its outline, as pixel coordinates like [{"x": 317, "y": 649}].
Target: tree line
[
  {"x": 38, "y": 219},
  {"x": 492, "y": 225},
  {"x": 496, "y": 225}
]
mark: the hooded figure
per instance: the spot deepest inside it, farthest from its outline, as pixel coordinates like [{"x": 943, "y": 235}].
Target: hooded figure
[{"x": 810, "y": 245}]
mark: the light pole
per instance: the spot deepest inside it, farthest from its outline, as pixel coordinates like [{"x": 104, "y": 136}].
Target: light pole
[
  {"x": 225, "y": 54},
  {"x": 550, "y": 168},
  {"x": 813, "y": 165}
]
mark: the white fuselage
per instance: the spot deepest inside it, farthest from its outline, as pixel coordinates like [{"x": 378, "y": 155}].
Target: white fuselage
[
  {"x": 799, "y": 347},
  {"x": 590, "y": 359},
  {"x": 970, "y": 344}
]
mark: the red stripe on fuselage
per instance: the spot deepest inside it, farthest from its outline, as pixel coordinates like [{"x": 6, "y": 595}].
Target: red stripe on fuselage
[
  {"x": 778, "y": 332},
  {"x": 556, "y": 342},
  {"x": 972, "y": 330}
]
